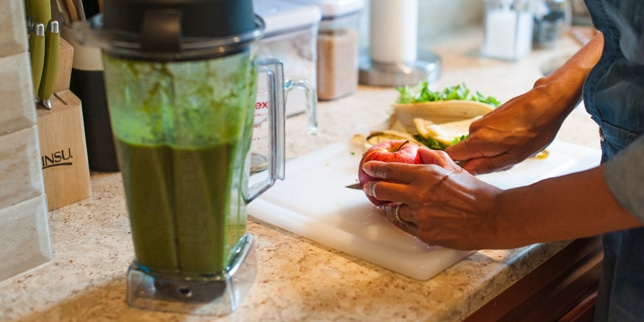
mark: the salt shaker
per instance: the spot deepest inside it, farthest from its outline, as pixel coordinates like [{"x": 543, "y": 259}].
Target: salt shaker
[{"x": 508, "y": 29}]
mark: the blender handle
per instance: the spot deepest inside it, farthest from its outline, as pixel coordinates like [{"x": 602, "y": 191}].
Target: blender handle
[
  {"x": 311, "y": 96},
  {"x": 276, "y": 170}
]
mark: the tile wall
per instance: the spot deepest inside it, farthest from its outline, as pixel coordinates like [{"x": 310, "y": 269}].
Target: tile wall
[{"x": 24, "y": 232}]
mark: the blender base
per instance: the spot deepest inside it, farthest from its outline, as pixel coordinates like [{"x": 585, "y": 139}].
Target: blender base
[
  {"x": 426, "y": 68},
  {"x": 220, "y": 294}
]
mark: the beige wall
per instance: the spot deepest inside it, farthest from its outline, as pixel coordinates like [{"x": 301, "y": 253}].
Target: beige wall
[
  {"x": 435, "y": 17},
  {"x": 442, "y": 16}
]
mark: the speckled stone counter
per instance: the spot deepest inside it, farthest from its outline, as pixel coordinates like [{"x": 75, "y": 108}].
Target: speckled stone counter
[{"x": 297, "y": 279}]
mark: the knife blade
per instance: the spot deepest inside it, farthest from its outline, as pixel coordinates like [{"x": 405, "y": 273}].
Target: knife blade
[
  {"x": 37, "y": 54},
  {"x": 355, "y": 186},
  {"x": 50, "y": 67}
]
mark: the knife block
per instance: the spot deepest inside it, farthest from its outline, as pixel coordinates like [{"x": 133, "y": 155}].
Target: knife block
[
  {"x": 62, "y": 140},
  {"x": 63, "y": 151}
]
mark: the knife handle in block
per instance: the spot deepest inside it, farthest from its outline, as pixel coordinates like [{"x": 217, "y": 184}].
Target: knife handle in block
[
  {"x": 37, "y": 54},
  {"x": 40, "y": 10},
  {"x": 71, "y": 10},
  {"x": 50, "y": 67}
]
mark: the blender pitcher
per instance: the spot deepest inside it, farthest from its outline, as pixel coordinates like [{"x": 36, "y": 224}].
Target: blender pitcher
[{"x": 180, "y": 80}]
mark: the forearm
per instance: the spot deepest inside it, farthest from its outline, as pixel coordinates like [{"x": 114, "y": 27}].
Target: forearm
[
  {"x": 573, "y": 206},
  {"x": 564, "y": 85}
]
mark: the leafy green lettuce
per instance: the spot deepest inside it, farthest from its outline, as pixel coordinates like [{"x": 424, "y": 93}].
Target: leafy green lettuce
[
  {"x": 435, "y": 145},
  {"x": 421, "y": 93}
]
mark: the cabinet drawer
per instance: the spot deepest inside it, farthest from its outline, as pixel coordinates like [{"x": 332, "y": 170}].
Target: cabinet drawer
[{"x": 552, "y": 290}]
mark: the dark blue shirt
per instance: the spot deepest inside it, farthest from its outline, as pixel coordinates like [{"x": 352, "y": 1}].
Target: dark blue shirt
[{"x": 614, "y": 96}]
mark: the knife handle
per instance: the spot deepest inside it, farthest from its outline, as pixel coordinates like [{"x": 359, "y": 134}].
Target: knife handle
[
  {"x": 71, "y": 10},
  {"x": 50, "y": 67},
  {"x": 37, "y": 54},
  {"x": 40, "y": 10}
]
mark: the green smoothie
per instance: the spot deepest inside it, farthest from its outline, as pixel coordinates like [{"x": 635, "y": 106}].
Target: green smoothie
[
  {"x": 183, "y": 132},
  {"x": 179, "y": 203}
]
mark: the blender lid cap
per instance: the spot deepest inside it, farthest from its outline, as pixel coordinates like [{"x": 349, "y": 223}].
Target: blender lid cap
[{"x": 163, "y": 25}]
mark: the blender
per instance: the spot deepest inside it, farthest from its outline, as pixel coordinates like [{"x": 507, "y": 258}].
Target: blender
[{"x": 181, "y": 79}]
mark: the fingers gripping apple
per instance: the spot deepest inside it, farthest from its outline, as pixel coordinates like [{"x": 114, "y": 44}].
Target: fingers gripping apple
[{"x": 401, "y": 151}]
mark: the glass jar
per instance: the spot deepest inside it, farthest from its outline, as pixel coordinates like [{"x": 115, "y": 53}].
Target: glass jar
[
  {"x": 338, "y": 57},
  {"x": 337, "y": 47}
]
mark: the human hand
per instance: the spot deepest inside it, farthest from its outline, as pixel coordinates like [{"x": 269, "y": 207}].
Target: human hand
[
  {"x": 436, "y": 201},
  {"x": 527, "y": 123},
  {"x": 516, "y": 130}
]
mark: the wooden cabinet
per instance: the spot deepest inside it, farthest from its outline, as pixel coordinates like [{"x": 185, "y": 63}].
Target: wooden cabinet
[{"x": 563, "y": 288}]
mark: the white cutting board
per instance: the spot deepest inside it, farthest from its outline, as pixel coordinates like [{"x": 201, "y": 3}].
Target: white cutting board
[{"x": 313, "y": 202}]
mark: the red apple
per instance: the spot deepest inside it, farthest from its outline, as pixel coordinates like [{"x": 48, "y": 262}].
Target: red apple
[{"x": 389, "y": 151}]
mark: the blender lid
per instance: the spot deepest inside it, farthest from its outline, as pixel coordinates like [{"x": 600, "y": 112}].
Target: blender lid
[
  {"x": 199, "y": 18},
  {"x": 171, "y": 29},
  {"x": 283, "y": 16},
  {"x": 335, "y": 8}
]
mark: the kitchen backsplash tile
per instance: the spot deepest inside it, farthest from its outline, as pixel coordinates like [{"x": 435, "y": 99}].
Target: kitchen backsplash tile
[
  {"x": 20, "y": 167},
  {"x": 13, "y": 30},
  {"x": 24, "y": 230},
  {"x": 18, "y": 108},
  {"x": 24, "y": 236}
]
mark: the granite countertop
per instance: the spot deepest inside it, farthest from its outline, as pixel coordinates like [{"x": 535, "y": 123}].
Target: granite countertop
[{"x": 297, "y": 279}]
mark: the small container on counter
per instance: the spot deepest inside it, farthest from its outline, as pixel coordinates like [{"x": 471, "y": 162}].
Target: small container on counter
[
  {"x": 291, "y": 36},
  {"x": 337, "y": 46},
  {"x": 508, "y": 29},
  {"x": 552, "y": 18}
]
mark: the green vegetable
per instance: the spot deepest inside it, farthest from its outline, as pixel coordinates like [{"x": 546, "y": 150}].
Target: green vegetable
[
  {"x": 430, "y": 143},
  {"x": 478, "y": 97},
  {"x": 435, "y": 145},
  {"x": 459, "y": 139},
  {"x": 422, "y": 93}
]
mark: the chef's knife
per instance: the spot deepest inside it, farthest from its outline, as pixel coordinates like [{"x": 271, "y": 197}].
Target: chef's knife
[
  {"x": 355, "y": 186},
  {"x": 50, "y": 67},
  {"x": 37, "y": 54}
]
